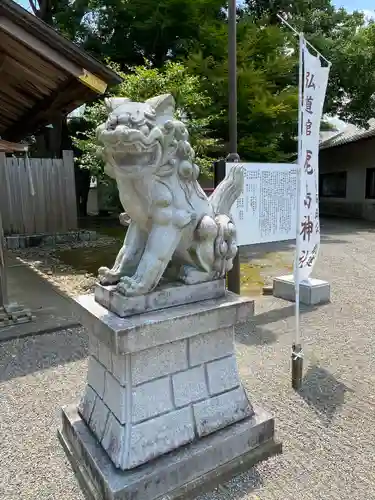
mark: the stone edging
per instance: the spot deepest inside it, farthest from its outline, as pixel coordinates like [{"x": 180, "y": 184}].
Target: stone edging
[
  {"x": 14, "y": 314},
  {"x": 24, "y": 241}
]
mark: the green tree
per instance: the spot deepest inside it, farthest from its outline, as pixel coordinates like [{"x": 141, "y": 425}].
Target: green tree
[
  {"x": 267, "y": 92},
  {"x": 351, "y": 93},
  {"x": 128, "y": 32},
  {"x": 156, "y": 30},
  {"x": 346, "y": 39},
  {"x": 66, "y": 16},
  {"x": 145, "y": 82}
]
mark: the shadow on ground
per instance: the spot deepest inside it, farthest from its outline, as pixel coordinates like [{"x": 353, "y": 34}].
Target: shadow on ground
[
  {"x": 323, "y": 392},
  {"x": 326, "y": 238},
  {"x": 21, "y": 357},
  {"x": 254, "y": 332},
  {"x": 339, "y": 225}
]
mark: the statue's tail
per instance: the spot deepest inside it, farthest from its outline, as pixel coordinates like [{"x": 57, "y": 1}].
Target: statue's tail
[{"x": 227, "y": 192}]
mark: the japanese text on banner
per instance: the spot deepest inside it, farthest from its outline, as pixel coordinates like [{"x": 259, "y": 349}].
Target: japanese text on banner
[{"x": 308, "y": 228}]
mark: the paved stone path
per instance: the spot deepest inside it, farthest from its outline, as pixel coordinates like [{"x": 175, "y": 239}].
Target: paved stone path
[
  {"x": 50, "y": 308},
  {"x": 328, "y": 430}
]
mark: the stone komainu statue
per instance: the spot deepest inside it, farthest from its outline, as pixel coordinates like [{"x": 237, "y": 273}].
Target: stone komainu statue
[{"x": 175, "y": 230}]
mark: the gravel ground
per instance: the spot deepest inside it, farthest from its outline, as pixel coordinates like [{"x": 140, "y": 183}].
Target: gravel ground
[
  {"x": 66, "y": 278},
  {"x": 327, "y": 430}
]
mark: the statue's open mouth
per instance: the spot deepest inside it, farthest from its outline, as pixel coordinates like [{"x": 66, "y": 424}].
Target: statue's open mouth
[
  {"x": 131, "y": 146},
  {"x": 133, "y": 154}
]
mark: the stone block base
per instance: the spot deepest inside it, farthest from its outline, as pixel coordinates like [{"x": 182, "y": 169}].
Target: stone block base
[
  {"x": 312, "y": 292},
  {"x": 184, "y": 473},
  {"x": 159, "y": 380}
]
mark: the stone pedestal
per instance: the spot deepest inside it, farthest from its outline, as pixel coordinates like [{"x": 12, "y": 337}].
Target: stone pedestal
[
  {"x": 157, "y": 381},
  {"x": 312, "y": 291},
  {"x": 184, "y": 473},
  {"x": 160, "y": 382},
  {"x": 164, "y": 296}
]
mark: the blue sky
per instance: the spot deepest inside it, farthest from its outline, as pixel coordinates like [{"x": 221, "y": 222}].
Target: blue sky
[
  {"x": 24, "y": 3},
  {"x": 348, "y": 4},
  {"x": 356, "y": 4}
]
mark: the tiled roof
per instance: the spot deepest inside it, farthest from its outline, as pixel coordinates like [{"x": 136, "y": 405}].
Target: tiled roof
[{"x": 350, "y": 133}]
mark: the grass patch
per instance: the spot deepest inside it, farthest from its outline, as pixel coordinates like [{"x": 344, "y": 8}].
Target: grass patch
[
  {"x": 89, "y": 259},
  {"x": 252, "y": 281}
]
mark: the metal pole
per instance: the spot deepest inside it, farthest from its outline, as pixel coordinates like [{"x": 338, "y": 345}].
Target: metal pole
[
  {"x": 232, "y": 73},
  {"x": 234, "y": 274},
  {"x": 297, "y": 355}
]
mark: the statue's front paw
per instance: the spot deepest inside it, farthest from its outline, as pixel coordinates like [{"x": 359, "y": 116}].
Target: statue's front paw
[
  {"x": 107, "y": 276},
  {"x": 131, "y": 286}
]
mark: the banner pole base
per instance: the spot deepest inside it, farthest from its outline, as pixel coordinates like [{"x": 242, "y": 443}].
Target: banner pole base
[{"x": 297, "y": 366}]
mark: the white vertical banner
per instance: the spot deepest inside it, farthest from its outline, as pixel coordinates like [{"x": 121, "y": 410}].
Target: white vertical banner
[{"x": 312, "y": 95}]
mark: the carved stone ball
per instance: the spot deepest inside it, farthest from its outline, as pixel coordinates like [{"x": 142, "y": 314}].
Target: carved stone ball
[
  {"x": 186, "y": 169},
  {"x": 207, "y": 228}
]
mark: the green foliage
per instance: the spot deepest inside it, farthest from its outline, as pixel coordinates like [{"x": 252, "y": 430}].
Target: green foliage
[
  {"x": 186, "y": 44},
  {"x": 129, "y": 31},
  {"x": 347, "y": 40},
  {"x": 352, "y": 82},
  {"x": 65, "y": 15},
  {"x": 145, "y": 82},
  {"x": 267, "y": 93}
]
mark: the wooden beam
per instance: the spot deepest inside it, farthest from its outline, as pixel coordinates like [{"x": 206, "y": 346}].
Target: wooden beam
[
  {"x": 3, "y": 275},
  {"x": 44, "y": 111},
  {"x": 4, "y": 299},
  {"x": 10, "y": 109},
  {"x": 22, "y": 59},
  {"x": 50, "y": 37},
  {"x": 21, "y": 72},
  {"x": 51, "y": 55},
  {"x": 10, "y": 98},
  {"x": 39, "y": 47},
  {"x": 15, "y": 95},
  {"x": 27, "y": 56},
  {"x": 5, "y": 121},
  {"x": 12, "y": 147},
  {"x": 2, "y": 62},
  {"x": 93, "y": 82}
]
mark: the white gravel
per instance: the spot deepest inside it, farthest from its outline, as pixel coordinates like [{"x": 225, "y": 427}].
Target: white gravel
[
  {"x": 38, "y": 375},
  {"x": 327, "y": 432},
  {"x": 45, "y": 262}
]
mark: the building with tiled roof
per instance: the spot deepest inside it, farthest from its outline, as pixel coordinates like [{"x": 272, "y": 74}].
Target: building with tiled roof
[{"x": 347, "y": 172}]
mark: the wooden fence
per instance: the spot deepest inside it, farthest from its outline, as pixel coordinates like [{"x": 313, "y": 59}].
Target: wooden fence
[{"x": 52, "y": 208}]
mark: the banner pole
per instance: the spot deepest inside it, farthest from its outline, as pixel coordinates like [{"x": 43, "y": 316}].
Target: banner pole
[
  {"x": 284, "y": 21},
  {"x": 297, "y": 355}
]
